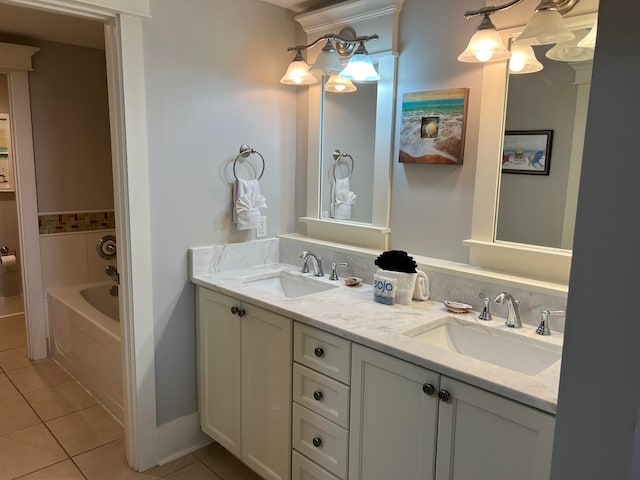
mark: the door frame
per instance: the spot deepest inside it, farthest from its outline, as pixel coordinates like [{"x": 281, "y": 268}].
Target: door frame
[{"x": 127, "y": 110}]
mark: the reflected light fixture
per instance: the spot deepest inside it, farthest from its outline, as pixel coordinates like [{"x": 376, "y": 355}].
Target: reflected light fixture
[
  {"x": 338, "y": 84},
  {"x": 590, "y": 40},
  {"x": 546, "y": 26},
  {"x": 329, "y": 61},
  {"x": 523, "y": 60},
  {"x": 570, "y": 51}
]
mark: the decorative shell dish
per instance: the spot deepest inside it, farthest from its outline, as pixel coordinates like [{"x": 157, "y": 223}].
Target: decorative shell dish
[
  {"x": 457, "y": 307},
  {"x": 352, "y": 281}
]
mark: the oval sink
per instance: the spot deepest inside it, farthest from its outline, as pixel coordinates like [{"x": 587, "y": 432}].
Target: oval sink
[
  {"x": 491, "y": 345},
  {"x": 284, "y": 284}
]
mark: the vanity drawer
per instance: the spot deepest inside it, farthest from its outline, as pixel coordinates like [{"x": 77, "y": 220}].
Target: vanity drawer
[
  {"x": 322, "y": 441},
  {"x": 321, "y": 394},
  {"x": 304, "y": 469},
  {"x": 322, "y": 351}
]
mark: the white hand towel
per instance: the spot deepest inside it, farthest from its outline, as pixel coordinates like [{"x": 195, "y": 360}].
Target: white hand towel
[
  {"x": 344, "y": 201},
  {"x": 405, "y": 284},
  {"x": 421, "y": 291},
  {"x": 248, "y": 203}
]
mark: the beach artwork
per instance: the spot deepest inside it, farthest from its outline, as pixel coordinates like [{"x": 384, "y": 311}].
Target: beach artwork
[
  {"x": 433, "y": 125},
  {"x": 527, "y": 151}
]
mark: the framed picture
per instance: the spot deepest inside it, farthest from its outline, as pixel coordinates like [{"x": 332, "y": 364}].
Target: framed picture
[
  {"x": 6, "y": 165},
  {"x": 527, "y": 151},
  {"x": 433, "y": 126}
]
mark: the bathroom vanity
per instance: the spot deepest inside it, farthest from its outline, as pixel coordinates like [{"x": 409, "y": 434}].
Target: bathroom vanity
[{"x": 310, "y": 379}]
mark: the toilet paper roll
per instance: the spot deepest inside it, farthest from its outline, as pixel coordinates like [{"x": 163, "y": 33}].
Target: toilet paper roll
[{"x": 7, "y": 260}]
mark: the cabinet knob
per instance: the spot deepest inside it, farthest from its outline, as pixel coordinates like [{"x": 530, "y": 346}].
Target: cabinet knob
[
  {"x": 238, "y": 311},
  {"x": 234, "y": 310},
  {"x": 428, "y": 389},
  {"x": 318, "y": 395},
  {"x": 317, "y": 442},
  {"x": 444, "y": 395},
  {"x": 318, "y": 352}
]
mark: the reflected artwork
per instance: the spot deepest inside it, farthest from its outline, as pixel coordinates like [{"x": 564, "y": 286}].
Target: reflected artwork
[{"x": 433, "y": 126}]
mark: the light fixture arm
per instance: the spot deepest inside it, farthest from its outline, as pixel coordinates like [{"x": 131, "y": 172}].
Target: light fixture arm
[
  {"x": 562, "y": 6},
  {"x": 334, "y": 37}
]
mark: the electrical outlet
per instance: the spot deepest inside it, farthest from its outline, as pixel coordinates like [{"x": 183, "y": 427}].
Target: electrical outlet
[{"x": 262, "y": 227}]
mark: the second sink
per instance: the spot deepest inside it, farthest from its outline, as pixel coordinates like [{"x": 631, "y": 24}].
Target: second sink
[{"x": 492, "y": 345}]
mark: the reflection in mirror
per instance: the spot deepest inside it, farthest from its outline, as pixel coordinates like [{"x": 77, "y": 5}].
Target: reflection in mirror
[
  {"x": 349, "y": 125},
  {"x": 540, "y": 209}
]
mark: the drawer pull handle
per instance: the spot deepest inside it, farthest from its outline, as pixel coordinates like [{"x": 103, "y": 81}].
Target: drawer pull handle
[
  {"x": 318, "y": 395},
  {"x": 444, "y": 396},
  {"x": 428, "y": 389},
  {"x": 238, "y": 311},
  {"x": 317, "y": 442},
  {"x": 318, "y": 352}
]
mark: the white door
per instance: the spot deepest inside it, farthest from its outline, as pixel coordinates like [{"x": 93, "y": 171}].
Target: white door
[
  {"x": 266, "y": 392},
  {"x": 394, "y": 411},
  {"x": 484, "y": 436},
  {"x": 219, "y": 368}
]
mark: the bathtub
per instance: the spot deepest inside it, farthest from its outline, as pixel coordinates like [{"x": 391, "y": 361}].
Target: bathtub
[{"x": 85, "y": 333}]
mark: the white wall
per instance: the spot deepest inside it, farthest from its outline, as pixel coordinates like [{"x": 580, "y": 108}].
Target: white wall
[
  {"x": 212, "y": 81},
  {"x": 599, "y": 382},
  {"x": 71, "y": 138},
  {"x": 431, "y": 205}
]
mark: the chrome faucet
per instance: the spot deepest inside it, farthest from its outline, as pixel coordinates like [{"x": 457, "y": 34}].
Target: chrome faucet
[
  {"x": 486, "y": 311},
  {"x": 543, "y": 327},
  {"x": 316, "y": 261},
  {"x": 334, "y": 269},
  {"x": 513, "y": 316}
]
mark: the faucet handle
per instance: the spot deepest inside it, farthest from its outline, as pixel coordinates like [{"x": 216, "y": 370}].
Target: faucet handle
[
  {"x": 305, "y": 265},
  {"x": 486, "y": 311},
  {"x": 543, "y": 328},
  {"x": 334, "y": 273}
]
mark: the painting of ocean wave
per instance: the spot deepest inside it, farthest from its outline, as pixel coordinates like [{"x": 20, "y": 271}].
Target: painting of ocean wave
[{"x": 433, "y": 126}]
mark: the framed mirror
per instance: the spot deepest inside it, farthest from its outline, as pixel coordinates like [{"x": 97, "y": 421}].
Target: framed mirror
[{"x": 490, "y": 247}]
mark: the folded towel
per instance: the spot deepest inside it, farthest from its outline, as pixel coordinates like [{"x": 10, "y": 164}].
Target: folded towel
[
  {"x": 421, "y": 291},
  {"x": 405, "y": 284},
  {"x": 248, "y": 203},
  {"x": 344, "y": 201}
]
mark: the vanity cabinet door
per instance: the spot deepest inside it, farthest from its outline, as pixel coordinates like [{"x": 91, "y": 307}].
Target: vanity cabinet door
[
  {"x": 393, "y": 421},
  {"x": 483, "y": 435},
  {"x": 219, "y": 369},
  {"x": 266, "y": 392}
]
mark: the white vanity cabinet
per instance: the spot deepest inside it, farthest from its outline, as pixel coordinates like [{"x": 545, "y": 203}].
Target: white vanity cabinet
[
  {"x": 244, "y": 381},
  {"x": 398, "y": 423}
]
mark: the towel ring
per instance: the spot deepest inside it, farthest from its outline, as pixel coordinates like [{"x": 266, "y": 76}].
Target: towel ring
[
  {"x": 245, "y": 152},
  {"x": 337, "y": 156}
]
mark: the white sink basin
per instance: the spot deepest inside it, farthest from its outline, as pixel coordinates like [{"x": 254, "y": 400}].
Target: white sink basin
[
  {"x": 284, "y": 284},
  {"x": 498, "y": 347}
]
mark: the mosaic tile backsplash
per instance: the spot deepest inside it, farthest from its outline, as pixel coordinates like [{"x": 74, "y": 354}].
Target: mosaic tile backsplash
[{"x": 76, "y": 221}]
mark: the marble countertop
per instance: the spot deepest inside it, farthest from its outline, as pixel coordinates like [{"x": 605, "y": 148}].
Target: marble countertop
[{"x": 351, "y": 313}]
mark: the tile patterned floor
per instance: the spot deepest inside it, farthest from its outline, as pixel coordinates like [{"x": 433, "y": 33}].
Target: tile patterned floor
[{"x": 52, "y": 429}]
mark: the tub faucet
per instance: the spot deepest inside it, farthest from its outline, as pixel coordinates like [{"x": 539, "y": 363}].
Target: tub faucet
[
  {"x": 112, "y": 271},
  {"x": 316, "y": 261},
  {"x": 513, "y": 316}
]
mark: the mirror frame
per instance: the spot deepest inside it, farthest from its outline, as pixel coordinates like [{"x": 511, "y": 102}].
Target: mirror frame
[
  {"x": 544, "y": 263},
  {"x": 366, "y": 17}
]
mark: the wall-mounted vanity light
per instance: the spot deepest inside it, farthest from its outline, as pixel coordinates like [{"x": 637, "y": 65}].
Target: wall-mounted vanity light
[
  {"x": 329, "y": 62},
  {"x": 546, "y": 26},
  {"x": 523, "y": 60}
]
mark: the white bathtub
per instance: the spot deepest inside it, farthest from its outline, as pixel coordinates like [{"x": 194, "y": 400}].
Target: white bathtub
[{"x": 85, "y": 332}]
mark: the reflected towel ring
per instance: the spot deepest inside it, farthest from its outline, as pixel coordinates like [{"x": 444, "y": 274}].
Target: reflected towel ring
[
  {"x": 245, "y": 152},
  {"x": 337, "y": 156}
]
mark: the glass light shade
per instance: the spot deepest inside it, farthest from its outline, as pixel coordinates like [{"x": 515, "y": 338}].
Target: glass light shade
[
  {"x": 338, "y": 84},
  {"x": 298, "y": 74},
  {"x": 485, "y": 46},
  {"x": 590, "y": 40},
  {"x": 545, "y": 27},
  {"x": 328, "y": 61},
  {"x": 523, "y": 60},
  {"x": 360, "y": 69},
  {"x": 570, "y": 51}
]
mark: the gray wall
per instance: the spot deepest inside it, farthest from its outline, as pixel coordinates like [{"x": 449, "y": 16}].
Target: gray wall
[
  {"x": 599, "y": 383},
  {"x": 531, "y": 207},
  {"x": 70, "y": 117},
  {"x": 212, "y": 82}
]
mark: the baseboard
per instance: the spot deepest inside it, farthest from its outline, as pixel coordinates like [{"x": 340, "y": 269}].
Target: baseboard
[{"x": 180, "y": 437}]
